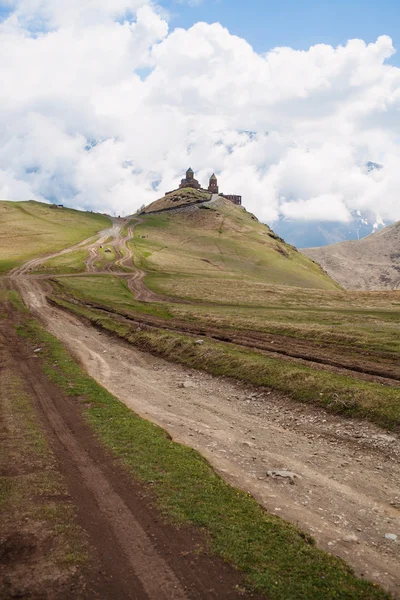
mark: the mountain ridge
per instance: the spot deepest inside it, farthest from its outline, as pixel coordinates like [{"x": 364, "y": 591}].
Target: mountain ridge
[{"x": 371, "y": 263}]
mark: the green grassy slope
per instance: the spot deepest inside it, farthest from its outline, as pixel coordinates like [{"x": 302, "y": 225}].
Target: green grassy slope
[
  {"x": 29, "y": 229},
  {"x": 219, "y": 242}
]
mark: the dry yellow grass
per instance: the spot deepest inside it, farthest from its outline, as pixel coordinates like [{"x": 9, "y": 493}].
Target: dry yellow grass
[{"x": 29, "y": 229}]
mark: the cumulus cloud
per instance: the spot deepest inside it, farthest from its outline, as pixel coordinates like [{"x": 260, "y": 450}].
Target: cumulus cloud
[{"x": 103, "y": 108}]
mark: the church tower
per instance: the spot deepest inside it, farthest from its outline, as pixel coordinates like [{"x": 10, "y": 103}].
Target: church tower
[
  {"x": 190, "y": 181},
  {"x": 213, "y": 187}
]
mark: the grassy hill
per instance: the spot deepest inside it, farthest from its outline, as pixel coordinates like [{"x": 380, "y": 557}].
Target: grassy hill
[
  {"x": 372, "y": 263},
  {"x": 29, "y": 229},
  {"x": 219, "y": 246},
  {"x": 178, "y": 199}
]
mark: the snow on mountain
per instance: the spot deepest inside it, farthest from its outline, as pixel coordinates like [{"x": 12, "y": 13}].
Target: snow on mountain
[{"x": 312, "y": 234}]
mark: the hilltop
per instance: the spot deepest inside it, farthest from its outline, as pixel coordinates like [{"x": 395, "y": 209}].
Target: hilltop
[
  {"x": 178, "y": 199},
  {"x": 29, "y": 229},
  {"x": 199, "y": 245},
  {"x": 372, "y": 263}
]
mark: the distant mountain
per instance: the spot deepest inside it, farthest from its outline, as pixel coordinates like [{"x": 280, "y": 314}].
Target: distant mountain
[
  {"x": 372, "y": 263},
  {"x": 310, "y": 234}
]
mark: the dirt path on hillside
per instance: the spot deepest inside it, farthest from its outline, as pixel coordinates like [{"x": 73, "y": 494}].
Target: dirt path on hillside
[
  {"x": 135, "y": 282},
  {"x": 344, "y": 480},
  {"x": 124, "y": 259},
  {"x": 134, "y": 554},
  {"x": 35, "y": 263}
]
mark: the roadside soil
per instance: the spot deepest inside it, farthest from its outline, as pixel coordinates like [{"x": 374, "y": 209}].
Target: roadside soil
[
  {"x": 343, "y": 485},
  {"x": 129, "y": 541}
]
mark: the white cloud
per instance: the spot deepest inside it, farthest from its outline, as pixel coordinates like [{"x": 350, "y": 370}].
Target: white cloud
[
  {"x": 102, "y": 108},
  {"x": 80, "y": 13},
  {"x": 326, "y": 206}
]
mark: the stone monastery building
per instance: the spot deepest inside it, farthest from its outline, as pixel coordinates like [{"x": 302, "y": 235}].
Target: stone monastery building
[{"x": 191, "y": 182}]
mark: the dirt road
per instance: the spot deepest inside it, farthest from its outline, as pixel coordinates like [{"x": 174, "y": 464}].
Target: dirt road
[
  {"x": 384, "y": 368},
  {"x": 343, "y": 485},
  {"x": 129, "y": 541}
]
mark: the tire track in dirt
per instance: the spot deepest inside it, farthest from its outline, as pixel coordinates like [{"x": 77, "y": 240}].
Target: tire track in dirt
[
  {"x": 94, "y": 249},
  {"x": 346, "y": 488},
  {"x": 318, "y": 355},
  {"x": 135, "y": 282},
  {"x": 135, "y": 543}
]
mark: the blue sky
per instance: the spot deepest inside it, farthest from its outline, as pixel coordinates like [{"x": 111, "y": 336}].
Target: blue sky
[{"x": 296, "y": 23}]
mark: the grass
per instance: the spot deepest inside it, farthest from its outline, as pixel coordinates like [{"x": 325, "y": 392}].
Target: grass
[
  {"x": 30, "y": 229},
  {"x": 223, "y": 242},
  {"x": 228, "y": 289},
  {"x": 106, "y": 255},
  {"x": 276, "y": 557},
  {"x": 109, "y": 291},
  {"x": 336, "y": 393},
  {"x": 352, "y": 321},
  {"x": 72, "y": 262},
  {"x": 353, "y": 329}
]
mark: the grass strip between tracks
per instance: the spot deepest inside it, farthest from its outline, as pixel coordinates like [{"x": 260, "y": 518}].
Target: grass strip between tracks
[
  {"x": 276, "y": 557},
  {"x": 337, "y": 393}
]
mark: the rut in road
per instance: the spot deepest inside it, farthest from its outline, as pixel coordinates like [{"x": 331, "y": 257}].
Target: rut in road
[
  {"x": 346, "y": 493},
  {"x": 322, "y": 356}
]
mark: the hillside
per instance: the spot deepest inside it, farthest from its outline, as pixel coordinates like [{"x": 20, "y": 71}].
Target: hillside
[
  {"x": 218, "y": 245},
  {"x": 29, "y": 229},
  {"x": 372, "y": 263}
]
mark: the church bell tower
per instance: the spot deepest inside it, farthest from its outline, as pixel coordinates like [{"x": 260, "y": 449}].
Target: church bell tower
[{"x": 213, "y": 187}]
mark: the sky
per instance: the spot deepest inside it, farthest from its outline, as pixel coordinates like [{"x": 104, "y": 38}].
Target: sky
[
  {"x": 294, "y": 105},
  {"x": 299, "y": 24}
]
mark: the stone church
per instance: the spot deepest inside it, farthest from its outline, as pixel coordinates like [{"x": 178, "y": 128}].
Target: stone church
[{"x": 190, "y": 182}]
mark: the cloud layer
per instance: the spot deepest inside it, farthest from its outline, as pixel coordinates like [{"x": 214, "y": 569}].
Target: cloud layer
[{"x": 101, "y": 107}]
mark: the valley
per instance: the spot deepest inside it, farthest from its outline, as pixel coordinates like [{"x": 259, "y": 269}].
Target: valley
[{"x": 206, "y": 324}]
